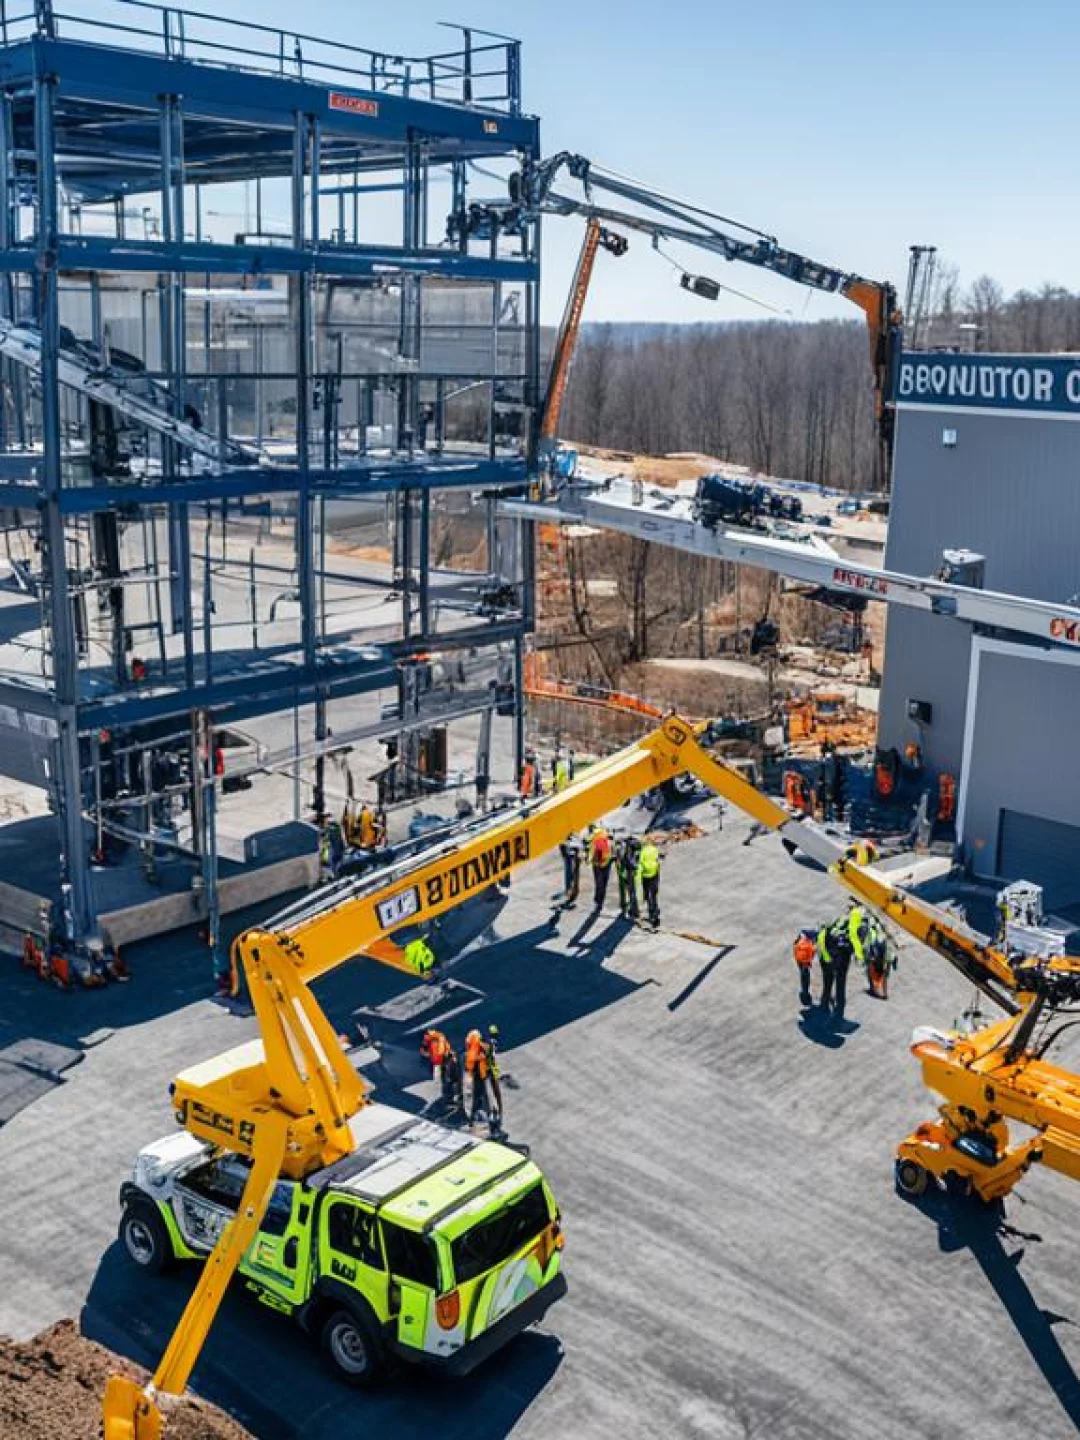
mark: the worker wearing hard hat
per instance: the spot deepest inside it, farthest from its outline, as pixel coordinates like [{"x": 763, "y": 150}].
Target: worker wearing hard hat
[
  {"x": 477, "y": 1070},
  {"x": 491, "y": 1049},
  {"x": 560, "y": 773},
  {"x": 445, "y": 1066},
  {"x": 838, "y": 944},
  {"x": 600, "y": 858},
  {"x": 627, "y": 856},
  {"x": 570, "y": 850},
  {"x": 803, "y": 950},
  {"x": 648, "y": 870}
]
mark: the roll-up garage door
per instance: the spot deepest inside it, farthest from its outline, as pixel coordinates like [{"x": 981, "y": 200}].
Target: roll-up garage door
[{"x": 1044, "y": 851}]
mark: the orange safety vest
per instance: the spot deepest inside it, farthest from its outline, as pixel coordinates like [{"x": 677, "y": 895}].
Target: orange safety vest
[
  {"x": 527, "y": 779},
  {"x": 600, "y": 850},
  {"x": 435, "y": 1046},
  {"x": 804, "y": 950},
  {"x": 476, "y": 1056}
]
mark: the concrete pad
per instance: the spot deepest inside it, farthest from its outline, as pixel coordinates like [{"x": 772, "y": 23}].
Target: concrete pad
[{"x": 739, "y": 1263}]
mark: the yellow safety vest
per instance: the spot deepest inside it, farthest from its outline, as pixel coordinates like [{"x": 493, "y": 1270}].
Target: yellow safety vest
[
  {"x": 419, "y": 955},
  {"x": 649, "y": 861},
  {"x": 856, "y": 921}
]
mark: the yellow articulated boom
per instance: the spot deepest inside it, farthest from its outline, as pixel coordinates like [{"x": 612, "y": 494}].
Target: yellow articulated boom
[{"x": 287, "y": 1100}]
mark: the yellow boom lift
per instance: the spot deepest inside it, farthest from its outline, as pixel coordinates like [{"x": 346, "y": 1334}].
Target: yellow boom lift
[{"x": 286, "y": 1101}]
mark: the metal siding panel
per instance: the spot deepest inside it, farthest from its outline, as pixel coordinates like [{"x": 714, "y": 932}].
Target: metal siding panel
[
  {"x": 1010, "y": 490},
  {"x": 1022, "y": 743},
  {"x": 1044, "y": 851},
  {"x": 927, "y": 657}
]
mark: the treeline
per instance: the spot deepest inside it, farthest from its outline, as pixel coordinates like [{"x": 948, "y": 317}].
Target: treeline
[
  {"x": 983, "y": 318},
  {"x": 787, "y": 399}
]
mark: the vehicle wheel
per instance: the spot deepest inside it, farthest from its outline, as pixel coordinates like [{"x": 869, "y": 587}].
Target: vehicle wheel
[
  {"x": 911, "y": 1178},
  {"x": 145, "y": 1238},
  {"x": 352, "y": 1349}
]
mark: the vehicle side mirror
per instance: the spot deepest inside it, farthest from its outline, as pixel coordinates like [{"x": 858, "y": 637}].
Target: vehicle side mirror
[{"x": 289, "y": 1254}]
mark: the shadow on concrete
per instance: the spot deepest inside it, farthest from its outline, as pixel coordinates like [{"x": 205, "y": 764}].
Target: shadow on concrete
[
  {"x": 262, "y": 1369},
  {"x": 524, "y": 987},
  {"x": 168, "y": 972},
  {"x": 700, "y": 978},
  {"x": 967, "y": 1224},
  {"x": 821, "y": 1027}
]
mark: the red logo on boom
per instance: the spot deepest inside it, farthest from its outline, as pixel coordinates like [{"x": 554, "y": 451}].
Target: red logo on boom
[
  {"x": 1062, "y": 629},
  {"x": 854, "y": 581},
  {"x": 357, "y": 104}
]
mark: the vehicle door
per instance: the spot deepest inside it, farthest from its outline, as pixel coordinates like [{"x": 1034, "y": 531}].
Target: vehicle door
[
  {"x": 350, "y": 1250},
  {"x": 415, "y": 1282},
  {"x": 278, "y": 1260}
]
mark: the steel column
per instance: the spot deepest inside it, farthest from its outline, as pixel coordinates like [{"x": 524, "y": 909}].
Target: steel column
[{"x": 67, "y": 780}]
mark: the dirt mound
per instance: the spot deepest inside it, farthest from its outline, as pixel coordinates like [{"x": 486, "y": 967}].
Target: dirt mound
[{"x": 51, "y": 1388}]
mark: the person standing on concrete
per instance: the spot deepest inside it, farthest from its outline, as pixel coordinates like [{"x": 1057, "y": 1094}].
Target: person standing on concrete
[
  {"x": 804, "y": 950},
  {"x": 491, "y": 1053},
  {"x": 877, "y": 958},
  {"x": 561, "y": 774},
  {"x": 477, "y": 1069},
  {"x": 838, "y": 944},
  {"x": 570, "y": 850},
  {"x": 433, "y": 1047},
  {"x": 445, "y": 1070},
  {"x": 649, "y": 874},
  {"x": 527, "y": 783},
  {"x": 627, "y": 854},
  {"x": 600, "y": 860}
]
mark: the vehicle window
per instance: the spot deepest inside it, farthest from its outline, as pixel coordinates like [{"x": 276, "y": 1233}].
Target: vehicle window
[
  {"x": 411, "y": 1256},
  {"x": 352, "y": 1231},
  {"x": 279, "y": 1211},
  {"x": 495, "y": 1240}
]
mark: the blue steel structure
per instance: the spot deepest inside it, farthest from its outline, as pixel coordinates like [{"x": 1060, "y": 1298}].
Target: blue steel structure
[{"x": 122, "y": 126}]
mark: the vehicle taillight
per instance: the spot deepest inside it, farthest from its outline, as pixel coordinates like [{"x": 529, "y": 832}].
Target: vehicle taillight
[
  {"x": 557, "y": 1237},
  {"x": 448, "y": 1310}
]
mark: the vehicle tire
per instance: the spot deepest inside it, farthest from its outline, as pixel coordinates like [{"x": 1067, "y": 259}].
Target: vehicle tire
[
  {"x": 145, "y": 1238},
  {"x": 352, "y": 1349},
  {"x": 911, "y": 1178}
]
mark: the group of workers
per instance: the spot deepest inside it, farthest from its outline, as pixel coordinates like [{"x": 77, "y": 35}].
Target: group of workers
[
  {"x": 855, "y": 935},
  {"x": 473, "y": 1089},
  {"x": 636, "y": 863},
  {"x": 531, "y": 780}
]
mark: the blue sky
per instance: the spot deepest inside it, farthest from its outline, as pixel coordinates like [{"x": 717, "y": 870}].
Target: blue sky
[{"x": 848, "y": 130}]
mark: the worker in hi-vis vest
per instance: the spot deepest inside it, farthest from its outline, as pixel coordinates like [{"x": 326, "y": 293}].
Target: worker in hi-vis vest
[{"x": 649, "y": 874}]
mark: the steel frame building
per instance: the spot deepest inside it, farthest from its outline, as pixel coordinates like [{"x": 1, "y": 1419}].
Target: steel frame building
[{"x": 165, "y": 380}]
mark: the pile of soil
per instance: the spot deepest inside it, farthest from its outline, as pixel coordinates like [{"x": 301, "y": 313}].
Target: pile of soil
[{"x": 51, "y": 1388}]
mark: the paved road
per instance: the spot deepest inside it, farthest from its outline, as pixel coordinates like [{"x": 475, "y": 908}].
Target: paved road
[{"x": 739, "y": 1263}]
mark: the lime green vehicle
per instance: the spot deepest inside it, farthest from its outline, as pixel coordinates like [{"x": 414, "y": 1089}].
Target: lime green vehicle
[{"x": 424, "y": 1243}]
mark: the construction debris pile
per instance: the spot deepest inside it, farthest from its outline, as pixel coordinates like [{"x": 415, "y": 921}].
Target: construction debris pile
[{"x": 52, "y": 1386}]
